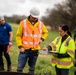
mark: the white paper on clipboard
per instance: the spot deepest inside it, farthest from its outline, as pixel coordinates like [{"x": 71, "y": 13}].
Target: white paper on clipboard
[{"x": 44, "y": 52}]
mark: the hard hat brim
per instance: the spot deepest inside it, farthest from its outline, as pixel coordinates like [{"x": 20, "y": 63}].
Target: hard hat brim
[{"x": 34, "y": 16}]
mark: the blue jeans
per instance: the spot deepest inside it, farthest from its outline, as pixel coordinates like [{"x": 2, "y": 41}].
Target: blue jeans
[
  {"x": 62, "y": 71},
  {"x": 30, "y": 56}
]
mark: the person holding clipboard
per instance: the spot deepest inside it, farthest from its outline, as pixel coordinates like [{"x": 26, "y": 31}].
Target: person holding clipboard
[{"x": 62, "y": 50}]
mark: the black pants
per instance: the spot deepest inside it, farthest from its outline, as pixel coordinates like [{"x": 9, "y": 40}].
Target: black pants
[
  {"x": 61, "y": 71},
  {"x": 3, "y": 50}
]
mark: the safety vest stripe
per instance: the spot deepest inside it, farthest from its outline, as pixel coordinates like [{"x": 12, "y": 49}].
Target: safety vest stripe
[
  {"x": 40, "y": 26},
  {"x": 70, "y": 51},
  {"x": 64, "y": 63},
  {"x": 53, "y": 46},
  {"x": 36, "y": 42},
  {"x": 30, "y": 42},
  {"x": 58, "y": 40},
  {"x": 27, "y": 42},
  {"x": 25, "y": 34},
  {"x": 53, "y": 61},
  {"x": 67, "y": 42},
  {"x": 24, "y": 23},
  {"x": 36, "y": 35}
]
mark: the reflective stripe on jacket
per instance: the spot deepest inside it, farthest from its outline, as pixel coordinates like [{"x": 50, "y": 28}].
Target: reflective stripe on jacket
[{"x": 67, "y": 46}]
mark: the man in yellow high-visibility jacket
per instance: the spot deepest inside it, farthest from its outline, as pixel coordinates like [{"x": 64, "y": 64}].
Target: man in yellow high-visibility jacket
[{"x": 30, "y": 34}]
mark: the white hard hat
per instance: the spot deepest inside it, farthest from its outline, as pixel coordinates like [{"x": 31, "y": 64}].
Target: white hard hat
[
  {"x": 1, "y": 18},
  {"x": 34, "y": 12}
]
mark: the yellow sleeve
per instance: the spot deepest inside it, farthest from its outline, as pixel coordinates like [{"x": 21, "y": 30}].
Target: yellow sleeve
[
  {"x": 19, "y": 35},
  {"x": 44, "y": 32},
  {"x": 54, "y": 43},
  {"x": 71, "y": 48}
]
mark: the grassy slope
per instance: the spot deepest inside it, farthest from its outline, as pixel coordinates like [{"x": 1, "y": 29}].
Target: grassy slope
[{"x": 43, "y": 62}]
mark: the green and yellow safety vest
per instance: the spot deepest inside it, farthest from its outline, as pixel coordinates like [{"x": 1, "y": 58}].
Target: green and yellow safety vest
[{"x": 67, "y": 46}]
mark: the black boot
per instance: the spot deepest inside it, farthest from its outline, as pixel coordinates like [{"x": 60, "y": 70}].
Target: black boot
[
  {"x": 8, "y": 67},
  {"x": 19, "y": 69},
  {"x": 31, "y": 72},
  {"x": 1, "y": 68}
]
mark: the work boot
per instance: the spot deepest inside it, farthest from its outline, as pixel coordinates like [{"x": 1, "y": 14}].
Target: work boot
[
  {"x": 9, "y": 68},
  {"x": 1, "y": 68},
  {"x": 31, "y": 73},
  {"x": 19, "y": 69}
]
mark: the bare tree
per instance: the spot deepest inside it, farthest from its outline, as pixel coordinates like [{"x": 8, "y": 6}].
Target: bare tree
[{"x": 64, "y": 13}]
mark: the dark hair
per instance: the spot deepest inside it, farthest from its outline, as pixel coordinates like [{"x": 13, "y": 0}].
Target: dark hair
[{"x": 66, "y": 28}]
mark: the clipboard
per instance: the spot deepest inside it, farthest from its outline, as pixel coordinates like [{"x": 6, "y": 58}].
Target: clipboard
[
  {"x": 8, "y": 48},
  {"x": 43, "y": 52}
]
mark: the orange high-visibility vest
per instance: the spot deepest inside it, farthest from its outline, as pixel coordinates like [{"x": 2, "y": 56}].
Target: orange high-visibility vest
[{"x": 31, "y": 35}]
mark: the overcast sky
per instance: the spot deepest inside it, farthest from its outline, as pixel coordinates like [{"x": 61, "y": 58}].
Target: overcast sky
[{"x": 22, "y": 7}]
